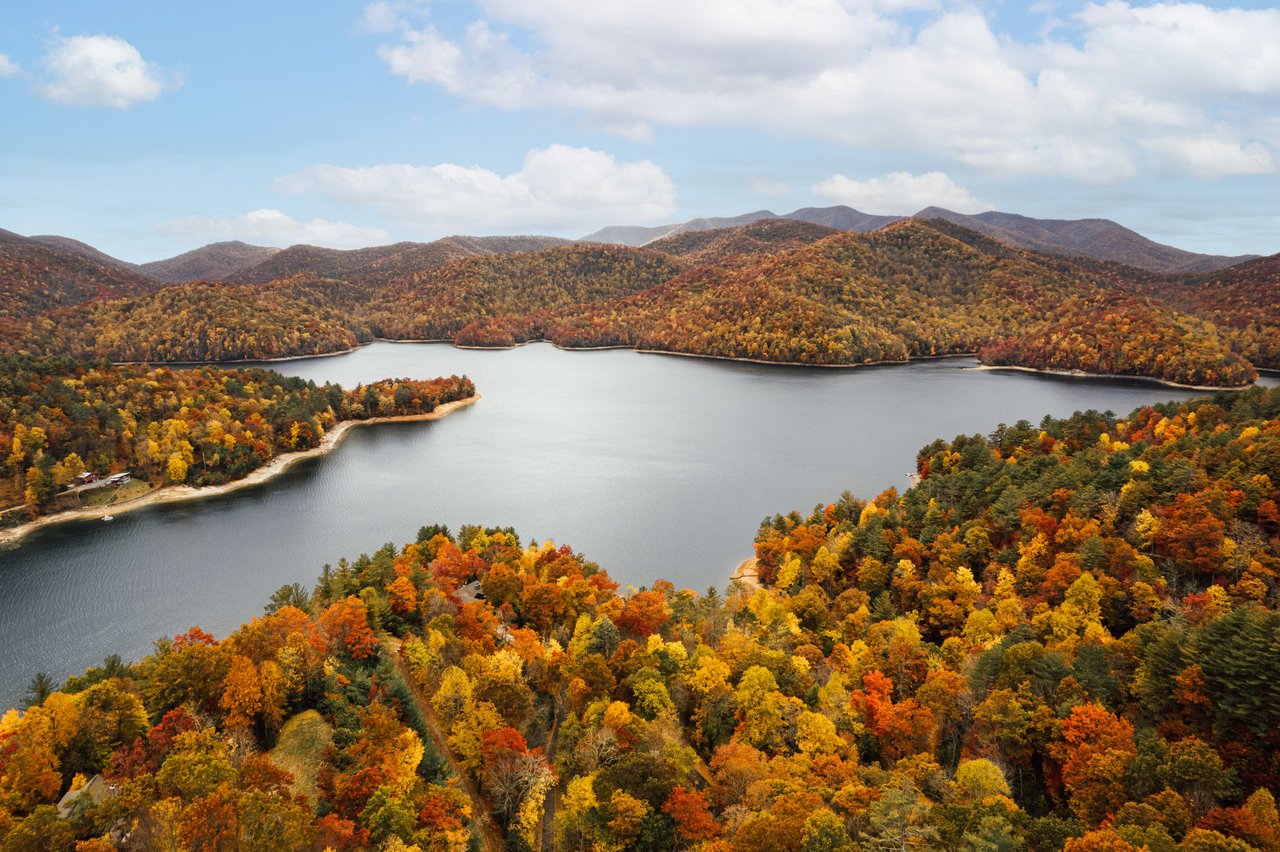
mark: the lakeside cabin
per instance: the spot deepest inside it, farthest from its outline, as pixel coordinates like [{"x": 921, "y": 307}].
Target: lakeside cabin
[
  {"x": 86, "y": 478},
  {"x": 119, "y": 478}
]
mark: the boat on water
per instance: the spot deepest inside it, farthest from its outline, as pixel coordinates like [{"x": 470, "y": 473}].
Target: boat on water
[{"x": 108, "y": 518}]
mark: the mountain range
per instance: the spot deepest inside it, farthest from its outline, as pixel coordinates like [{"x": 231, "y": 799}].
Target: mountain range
[
  {"x": 1100, "y": 239},
  {"x": 773, "y": 290}
]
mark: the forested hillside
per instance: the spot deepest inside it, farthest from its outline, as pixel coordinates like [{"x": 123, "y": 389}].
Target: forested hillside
[
  {"x": 1243, "y": 301},
  {"x": 36, "y": 277},
  {"x": 383, "y": 263},
  {"x": 1063, "y": 637},
  {"x": 442, "y": 303},
  {"x": 207, "y": 263},
  {"x": 190, "y": 322},
  {"x": 1112, "y": 335},
  {"x": 1100, "y": 239},
  {"x": 772, "y": 290},
  {"x": 767, "y": 236},
  {"x": 60, "y": 418},
  {"x": 908, "y": 290}
]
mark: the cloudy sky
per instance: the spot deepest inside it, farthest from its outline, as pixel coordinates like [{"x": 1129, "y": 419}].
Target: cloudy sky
[{"x": 148, "y": 128}]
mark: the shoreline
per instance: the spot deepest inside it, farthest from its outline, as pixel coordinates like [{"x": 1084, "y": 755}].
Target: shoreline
[
  {"x": 1081, "y": 374},
  {"x": 1073, "y": 374},
  {"x": 806, "y": 364},
  {"x": 237, "y": 360},
  {"x": 12, "y": 538},
  {"x": 479, "y": 348}
]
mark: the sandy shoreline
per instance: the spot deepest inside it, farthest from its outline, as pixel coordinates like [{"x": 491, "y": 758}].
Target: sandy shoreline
[
  {"x": 270, "y": 470},
  {"x": 1081, "y": 374}
]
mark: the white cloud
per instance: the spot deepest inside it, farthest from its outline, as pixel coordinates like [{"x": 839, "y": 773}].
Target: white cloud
[
  {"x": 1094, "y": 98},
  {"x": 558, "y": 188},
  {"x": 102, "y": 70},
  {"x": 278, "y": 229},
  {"x": 1208, "y": 156},
  {"x": 8, "y": 67},
  {"x": 385, "y": 16},
  {"x": 899, "y": 193}
]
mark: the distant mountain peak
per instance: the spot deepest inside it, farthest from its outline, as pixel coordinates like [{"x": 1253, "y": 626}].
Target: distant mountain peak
[
  {"x": 209, "y": 263},
  {"x": 1099, "y": 239}
]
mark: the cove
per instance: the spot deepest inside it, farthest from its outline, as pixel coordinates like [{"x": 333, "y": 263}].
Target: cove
[{"x": 653, "y": 466}]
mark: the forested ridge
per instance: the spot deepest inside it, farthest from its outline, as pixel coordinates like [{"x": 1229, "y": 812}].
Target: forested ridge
[
  {"x": 35, "y": 277},
  {"x": 191, "y": 322},
  {"x": 778, "y": 291},
  {"x": 1243, "y": 301},
  {"x": 1064, "y": 637},
  {"x": 61, "y": 418},
  {"x": 383, "y": 262},
  {"x": 446, "y": 302},
  {"x": 1115, "y": 335},
  {"x": 764, "y": 237}
]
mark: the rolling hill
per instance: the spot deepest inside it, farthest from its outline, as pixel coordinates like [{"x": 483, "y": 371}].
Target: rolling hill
[
  {"x": 763, "y": 236},
  {"x": 383, "y": 263},
  {"x": 188, "y": 322},
  {"x": 915, "y": 288},
  {"x": 37, "y": 276},
  {"x": 1243, "y": 301},
  {"x": 209, "y": 263},
  {"x": 74, "y": 246},
  {"x": 773, "y": 290},
  {"x": 444, "y": 302},
  {"x": 1100, "y": 239},
  {"x": 634, "y": 235}
]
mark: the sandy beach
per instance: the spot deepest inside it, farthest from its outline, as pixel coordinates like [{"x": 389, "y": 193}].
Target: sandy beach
[{"x": 1081, "y": 374}]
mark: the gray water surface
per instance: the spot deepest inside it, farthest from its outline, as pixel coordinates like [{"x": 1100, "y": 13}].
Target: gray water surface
[{"x": 654, "y": 466}]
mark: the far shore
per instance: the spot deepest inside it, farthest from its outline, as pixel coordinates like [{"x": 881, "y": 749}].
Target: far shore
[
  {"x": 182, "y": 493},
  {"x": 740, "y": 360},
  {"x": 1075, "y": 374},
  {"x": 347, "y": 351},
  {"x": 887, "y": 363},
  {"x": 1081, "y": 374},
  {"x": 504, "y": 348}
]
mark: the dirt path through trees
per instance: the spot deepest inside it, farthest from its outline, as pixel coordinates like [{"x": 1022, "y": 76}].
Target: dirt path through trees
[{"x": 491, "y": 836}]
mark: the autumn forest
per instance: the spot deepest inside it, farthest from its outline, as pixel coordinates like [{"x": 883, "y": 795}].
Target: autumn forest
[
  {"x": 773, "y": 290},
  {"x": 1063, "y": 635},
  {"x": 63, "y": 421}
]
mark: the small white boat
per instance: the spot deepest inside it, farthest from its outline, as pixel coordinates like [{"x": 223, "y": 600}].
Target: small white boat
[{"x": 108, "y": 518}]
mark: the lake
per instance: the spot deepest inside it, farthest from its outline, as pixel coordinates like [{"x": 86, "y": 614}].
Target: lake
[{"x": 654, "y": 466}]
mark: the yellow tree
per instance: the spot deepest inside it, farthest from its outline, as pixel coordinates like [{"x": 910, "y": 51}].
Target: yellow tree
[{"x": 31, "y": 771}]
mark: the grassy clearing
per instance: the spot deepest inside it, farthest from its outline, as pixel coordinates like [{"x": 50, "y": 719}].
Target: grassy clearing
[
  {"x": 104, "y": 496},
  {"x": 300, "y": 750}
]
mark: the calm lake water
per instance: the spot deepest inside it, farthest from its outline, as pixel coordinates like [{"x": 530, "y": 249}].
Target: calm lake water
[{"x": 654, "y": 466}]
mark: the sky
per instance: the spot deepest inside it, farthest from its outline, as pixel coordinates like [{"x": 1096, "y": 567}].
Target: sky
[{"x": 150, "y": 128}]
